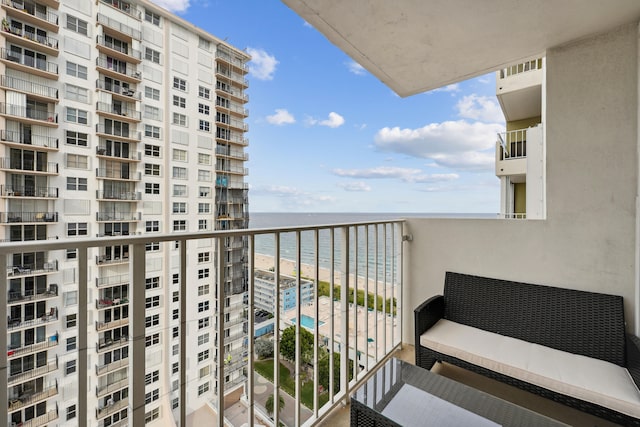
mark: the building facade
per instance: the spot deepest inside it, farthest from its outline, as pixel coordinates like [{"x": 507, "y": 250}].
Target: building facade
[
  {"x": 265, "y": 292},
  {"x": 116, "y": 119}
]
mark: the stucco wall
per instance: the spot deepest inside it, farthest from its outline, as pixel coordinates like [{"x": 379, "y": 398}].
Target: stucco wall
[{"x": 588, "y": 239}]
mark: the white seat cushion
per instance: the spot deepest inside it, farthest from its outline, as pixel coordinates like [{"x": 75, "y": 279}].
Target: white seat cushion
[{"x": 585, "y": 378}]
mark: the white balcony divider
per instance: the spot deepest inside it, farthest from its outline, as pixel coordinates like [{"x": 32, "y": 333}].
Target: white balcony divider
[{"x": 365, "y": 335}]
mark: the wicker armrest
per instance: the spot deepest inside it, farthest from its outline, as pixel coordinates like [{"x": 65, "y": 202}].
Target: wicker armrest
[
  {"x": 427, "y": 314},
  {"x": 633, "y": 358}
]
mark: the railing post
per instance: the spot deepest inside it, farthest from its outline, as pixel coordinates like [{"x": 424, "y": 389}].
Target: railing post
[
  {"x": 83, "y": 284},
  {"x": 276, "y": 333},
  {"x": 297, "y": 419},
  {"x": 137, "y": 271},
  {"x": 220, "y": 327},
  {"x": 183, "y": 333},
  {"x": 344, "y": 309},
  {"x": 3, "y": 336},
  {"x": 251, "y": 332}
]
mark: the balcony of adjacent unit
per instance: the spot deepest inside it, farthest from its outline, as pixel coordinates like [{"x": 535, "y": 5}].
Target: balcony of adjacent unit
[
  {"x": 519, "y": 89},
  {"x": 35, "y": 289},
  {"x": 108, "y": 214},
  {"x": 231, "y": 152},
  {"x": 516, "y": 150},
  {"x": 237, "y": 64},
  {"x": 31, "y": 315},
  {"x": 119, "y": 193},
  {"x": 20, "y": 138},
  {"x": 229, "y": 168},
  {"x": 30, "y": 393},
  {"x": 30, "y": 367},
  {"x": 115, "y": 129},
  {"x": 111, "y": 255},
  {"x": 119, "y": 90},
  {"x": 226, "y": 73},
  {"x": 31, "y": 263},
  {"x": 227, "y": 121},
  {"x": 117, "y": 171},
  {"x": 114, "y": 406},
  {"x": 229, "y": 91},
  {"x": 33, "y": 90},
  {"x": 30, "y": 37},
  {"x": 21, "y": 217},
  {"x": 118, "y": 49},
  {"x": 27, "y": 190},
  {"x": 26, "y": 342},
  {"x": 118, "y": 29},
  {"x": 29, "y": 61},
  {"x": 114, "y": 313},
  {"x": 113, "y": 339},
  {"x": 113, "y": 229},
  {"x": 119, "y": 110},
  {"x": 34, "y": 13},
  {"x": 125, "y": 7},
  {"x": 118, "y": 69},
  {"x": 226, "y": 135},
  {"x": 27, "y": 161},
  {"x": 31, "y": 112},
  {"x": 225, "y": 105},
  {"x": 110, "y": 364},
  {"x": 39, "y": 420},
  {"x": 117, "y": 150}
]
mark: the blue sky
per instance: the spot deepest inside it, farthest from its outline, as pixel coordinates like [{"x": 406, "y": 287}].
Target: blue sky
[{"x": 327, "y": 136}]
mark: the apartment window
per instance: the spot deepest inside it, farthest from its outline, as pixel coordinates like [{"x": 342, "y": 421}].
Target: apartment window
[
  {"x": 204, "y": 371},
  {"x": 203, "y": 92},
  {"x": 203, "y": 306},
  {"x": 151, "y": 377},
  {"x": 152, "y": 415},
  {"x": 152, "y": 226},
  {"x": 76, "y": 161},
  {"x": 175, "y": 332},
  {"x": 70, "y": 298},
  {"x": 203, "y": 323},
  {"x": 203, "y": 339},
  {"x": 179, "y": 190},
  {"x": 204, "y": 109},
  {"x": 203, "y": 224},
  {"x": 151, "y": 396},
  {"x": 204, "y": 192},
  {"x": 77, "y": 229},
  {"x": 152, "y": 247},
  {"x": 203, "y": 355},
  {"x": 151, "y": 302},
  {"x": 203, "y": 290},
  {"x": 204, "y": 125},
  {"x": 179, "y": 207},
  {"x": 152, "y": 113},
  {"x": 175, "y": 403},
  {"x": 204, "y": 159},
  {"x": 203, "y": 273},
  {"x": 76, "y": 70},
  {"x": 71, "y": 412},
  {"x": 176, "y": 350},
  {"x": 180, "y": 225},
  {"x": 150, "y": 321},
  {"x": 204, "y": 208},
  {"x": 179, "y": 119},
  {"x": 79, "y": 139},
  {"x": 152, "y": 282},
  {"x": 77, "y": 25},
  {"x": 204, "y": 44},
  {"x": 152, "y": 131},
  {"x": 204, "y": 176},
  {"x": 77, "y": 93},
  {"x": 180, "y": 84},
  {"x": 151, "y": 17},
  {"x": 175, "y": 367},
  {"x": 175, "y": 314},
  {"x": 152, "y": 55},
  {"x": 76, "y": 184},
  {"x": 75, "y": 115},
  {"x": 179, "y": 101},
  {"x": 150, "y": 188},
  {"x": 179, "y": 155},
  {"x": 175, "y": 296},
  {"x": 71, "y": 320},
  {"x": 152, "y": 340},
  {"x": 151, "y": 150},
  {"x": 152, "y": 93},
  {"x": 222, "y": 102},
  {"x": 175, "y": 279},
  {"x": 179, "y": 173},
  {"x": 70, "y": 367},
  {"x": 203, "y": 388},
  {"x": 71, "y": 344},
  {"x": 151, "y": 169},
  {"x": 72, "y": 253}
]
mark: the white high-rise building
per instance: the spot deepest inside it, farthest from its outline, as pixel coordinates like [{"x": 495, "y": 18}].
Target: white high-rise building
[{"x": 118, "y": 118}]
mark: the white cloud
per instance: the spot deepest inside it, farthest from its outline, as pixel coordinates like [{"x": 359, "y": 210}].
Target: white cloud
[
  {"x": 403, "y": 174},
  {"x": 175, "y": 6},
  {"x": 455, "y": 87},
  {"x": 262, "y": 65},
  {"x": 293, "y": 198},
  {"x": 335, "y": 120},
  {"x": 356, "y": 68},
  {"x": 281, "y": 117},
  {"x": 482, "y": 108},
  {"x": 354, "y": 186},
  {"x": 453, "y": 144}
]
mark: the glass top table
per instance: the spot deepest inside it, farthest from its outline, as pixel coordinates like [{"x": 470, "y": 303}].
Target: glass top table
[{"x": 402, "y": 394}]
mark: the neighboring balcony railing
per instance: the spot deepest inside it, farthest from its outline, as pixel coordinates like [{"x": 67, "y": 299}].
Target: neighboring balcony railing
[
  {"x": 48, "y": 16},
  {"x": 29, "y": 61},
  {"x": 19, "y": 350},
  {"x": 119, "y": 27},
  {"x": 124, "y": 7},
  {"x": 126, "y": 50},
  {"x": 122, "y": 132},
  {"x": 119, "y": 111},
  {"x": 513, "y": 144},
  {"x": 28, "y": 165},
  {"x": 232, "y": 107},
  {"x": 29, "y": 374},
  {"x": 102, "y": 150},
  {"x": 114, "y": 195},
  {"x": 110, "y": 409},
  {"x": 28, "y": 269},
  {"x": 118, "y": 89},
  {"x": 19, "y": 402},
  {"x": 232, "y": 76},
  {"x": 42, "y": 319},
  {"x": 118, "y": 216},
  {"x": 9, "y": 217},
  {"x": 29, "y": 87},
  {"x": 110, "y": 367},
  {"x": 15, "y": 191},
  {"x": 42, "y": 420},
  {"x": 18, "y": 297},
  {"x": 28, "y": 113},
  {"x": 523, "y": 67},
  {"x": 356, "y": 312},
  {"x": 118, "y": 174},
  {"x": 226, "y": 57},
  {"x": 28, "y": 139},
  {"x": 128, "y": 70}
]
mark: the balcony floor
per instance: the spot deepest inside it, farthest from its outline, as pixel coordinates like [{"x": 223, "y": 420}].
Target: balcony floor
[{"x": 340, "y": 417}]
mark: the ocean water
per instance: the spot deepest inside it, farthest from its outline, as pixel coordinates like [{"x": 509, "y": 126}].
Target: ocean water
[{"x": 365, "y": 250}]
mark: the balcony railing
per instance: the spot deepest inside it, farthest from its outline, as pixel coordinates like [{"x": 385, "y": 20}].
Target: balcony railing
[
  {"x": 28, "y": 139},
  {"x": 513, "y": 144},
  {"x": 19, "y": 350},
  {"x": 226, "y": 57},
  {"x": 232, "y": 107},
  {"x": 118, "y": 174},
  {"x": 124, "y": 7},
  {"x": 29, "y": 87},
  {"x": 110, "y": 409},
  {"x": 29, "y": 61},
  {"x": 114, "y": 195},
  {"x": 118, "y": 216},
  {"x": 15, "y": 191},
  {"x": 47, "y": 16},
  {"x": 34, "y": 372},
  {"x": 19, "y": 402},
  {"x": 110, "y": 367},
  {"x": 523, "y": 67},
  {"x": 103, "y": 150},
  {"x": 119, "y": 27},
  {"x": 28, "y": 166},
  {"x": 10, "y": 217},
  {"x": 118, "y": 89},
  {"x": 121, "y": 132},
  {"x": 18, "y": 297},
  {"x": 128, "y": 70},
  {"x": 29, "y": 269},
  {"x": 119, "y": 111},
  {"x": 28, "y": 113},
  {"x": 42, "y": 319},
  {"x": 41, "y": 420},
  {"x": 358, "y": 317},
  {"x": 126, "y": 50},
  {"x": 31, "y": 36}
]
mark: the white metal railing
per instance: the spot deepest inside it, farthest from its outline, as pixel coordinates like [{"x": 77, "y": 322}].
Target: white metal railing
[
  {"x": 523, "y": 67},
  {"x": 513, "y": 144},
  {"x": 355, "y": 312}
]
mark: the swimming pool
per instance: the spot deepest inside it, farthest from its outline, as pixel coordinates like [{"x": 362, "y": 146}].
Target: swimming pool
[{"x": 307, "y": 321}]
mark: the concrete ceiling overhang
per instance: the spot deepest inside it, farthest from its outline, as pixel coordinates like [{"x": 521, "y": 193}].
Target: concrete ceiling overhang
[{"x": 417, "y": 45}]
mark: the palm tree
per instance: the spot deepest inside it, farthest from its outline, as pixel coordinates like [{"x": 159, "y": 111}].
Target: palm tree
[{"x": 269, "y": 404}]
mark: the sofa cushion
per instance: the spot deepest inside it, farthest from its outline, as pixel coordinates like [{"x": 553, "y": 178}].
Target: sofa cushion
[{"x": 592, "y": 380}]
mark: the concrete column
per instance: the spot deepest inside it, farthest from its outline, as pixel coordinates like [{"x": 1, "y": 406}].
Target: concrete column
[{"x": 137, "y": 272}]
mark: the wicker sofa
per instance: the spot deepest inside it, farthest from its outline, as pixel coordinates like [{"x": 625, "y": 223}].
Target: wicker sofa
[{"x": 566, "y": 345}]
